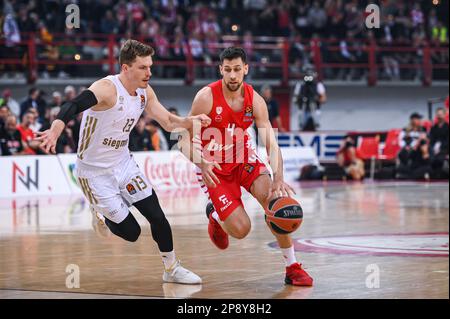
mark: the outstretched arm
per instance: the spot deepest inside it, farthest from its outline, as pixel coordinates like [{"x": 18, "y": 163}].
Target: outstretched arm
[
  {"x": 100, "y": 96},
  {"x": 170, "y": 121}
]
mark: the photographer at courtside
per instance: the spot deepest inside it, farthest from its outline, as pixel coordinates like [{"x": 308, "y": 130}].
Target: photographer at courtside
[{"x": 309, "y": 95}]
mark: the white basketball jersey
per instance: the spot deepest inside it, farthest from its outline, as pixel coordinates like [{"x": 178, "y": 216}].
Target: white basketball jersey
[{"x": 104, "y": 135}]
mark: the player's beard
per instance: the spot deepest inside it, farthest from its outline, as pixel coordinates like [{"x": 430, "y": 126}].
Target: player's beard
[{"x": 234, "y": 87}]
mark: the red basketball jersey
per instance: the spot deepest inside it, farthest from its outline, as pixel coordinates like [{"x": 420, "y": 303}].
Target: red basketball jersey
[{"x": 226, "y": 140}]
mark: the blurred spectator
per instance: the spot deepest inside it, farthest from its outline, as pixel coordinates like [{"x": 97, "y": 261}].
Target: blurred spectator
[
  {"x": 417, "y": 16},
  {"x": 136, "y": 9},
  {"x": 35, "y": 125},
  {"x": 56, "y": 100},
  {"x": 157, "y": 137},
  {"x": 10, "y": 102},
  {"x": 11, "y": 34},
  {"x": 10, "y": 138},
  {"x": 30, "y": 102},
  {"x": 284, "y": 18},
  {"x": 171, "y": 137},
  {"x": 317, "y": 18},
  {"x": 69, "y": 93},
  {"x": 197, "y": 51},
  {"x": 75, "y": 126},
  {"x": 140, "y": 139},
  {"x": 109, "y": 24},
  {"x": 273, "y": 107},
  {"x": 353, "y": 18},
  {"x": 347, "y": 158},
  {"x": 301, "y": 20},
  {"x": 439, "y": 142},
  {"x": 411, "y": 134},
  {"x": 346, "y": 57},
  {"x": 413, "y": 160},
  {"x": 297, "y": 51},
  {"x": 11, "y": 31},
  {"x": 417, "y": 22},
  {"x": 4, "y": 113},
  {"x": 65, "y": 143},
  {"x": 210, "y": 25},
  {"x": 27, "y": 134}
]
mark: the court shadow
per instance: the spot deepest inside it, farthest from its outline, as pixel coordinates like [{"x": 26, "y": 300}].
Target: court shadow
[
  {"x": 293, "y": 292},
  {"x": 172, "y": 290}
]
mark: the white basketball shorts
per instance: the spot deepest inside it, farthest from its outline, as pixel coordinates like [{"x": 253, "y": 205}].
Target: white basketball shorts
[{"x": 111, "y": 191}]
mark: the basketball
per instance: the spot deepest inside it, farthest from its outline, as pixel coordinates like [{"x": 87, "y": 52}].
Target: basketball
[{"x": 284, "y": 215}]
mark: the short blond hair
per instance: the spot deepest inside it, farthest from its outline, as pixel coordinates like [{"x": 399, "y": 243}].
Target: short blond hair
[{"x": 132, "y": 49}]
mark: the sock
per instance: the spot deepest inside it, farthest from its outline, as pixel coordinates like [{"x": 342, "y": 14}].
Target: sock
[
  {"x": 216, "y": 217},
  {"x": 168, "y": 259},
  {"x": 289, "y": 256}
]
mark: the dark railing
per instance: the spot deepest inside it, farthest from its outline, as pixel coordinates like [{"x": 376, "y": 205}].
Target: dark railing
[{"x": 270, "y": 57}]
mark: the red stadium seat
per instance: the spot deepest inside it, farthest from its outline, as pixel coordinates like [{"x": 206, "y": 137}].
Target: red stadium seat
[
  {"x": 368, "y": 148},
  {"x": 391, "y": 146}
]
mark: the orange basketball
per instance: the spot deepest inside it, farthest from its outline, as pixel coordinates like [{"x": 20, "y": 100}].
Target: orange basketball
[{"x": 284, "y": 215}]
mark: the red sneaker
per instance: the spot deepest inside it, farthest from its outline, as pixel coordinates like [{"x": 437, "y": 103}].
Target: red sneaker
[
  {"x": 218, "y": 236},
  {"x": 296, "y": 276}
]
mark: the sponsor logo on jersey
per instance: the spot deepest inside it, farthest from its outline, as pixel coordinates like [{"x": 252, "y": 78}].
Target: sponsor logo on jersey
[
  {"x": 248, "y": 168},
  {"x": 218, "y": 118},
  {"x": 131, "y": 190},
  {"x": 213, "y": 146},
  {"x": 248, "y": 113},
  {"x": 142, "y": 101},
  {"x": 116, "y": 144}
]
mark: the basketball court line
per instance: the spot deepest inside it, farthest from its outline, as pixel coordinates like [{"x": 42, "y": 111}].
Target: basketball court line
[{"x": 86, "y": 294}]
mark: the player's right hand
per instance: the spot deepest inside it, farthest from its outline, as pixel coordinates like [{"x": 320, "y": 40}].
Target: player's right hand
[
  {"x": 204, "y": 119},
  {"x": 210, "y": 179},
  {"x": 48, "y": 141}
]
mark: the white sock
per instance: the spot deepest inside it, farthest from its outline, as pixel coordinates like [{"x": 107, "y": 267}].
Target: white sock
[
  {"x": 168, "y": 259},
  {"x": 289, "y": 256},
  {"x": 216, "y": 216}
]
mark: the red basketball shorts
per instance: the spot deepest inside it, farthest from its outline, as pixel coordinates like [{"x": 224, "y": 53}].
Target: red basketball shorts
[{"x": 226, "y": 196}]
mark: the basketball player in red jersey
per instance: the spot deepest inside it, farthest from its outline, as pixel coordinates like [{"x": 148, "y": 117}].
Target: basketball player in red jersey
[{"x": 227, "y": 161}]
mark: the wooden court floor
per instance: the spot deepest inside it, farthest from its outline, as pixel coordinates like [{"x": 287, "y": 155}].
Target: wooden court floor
[{"x": 369, "y": 240}]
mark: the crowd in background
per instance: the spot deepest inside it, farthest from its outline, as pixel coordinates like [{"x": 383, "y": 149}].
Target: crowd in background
[
  {"x": 169, "y": 25},
  {"x": 20, "y": 121},
  {"x": 423, "y": 151}
]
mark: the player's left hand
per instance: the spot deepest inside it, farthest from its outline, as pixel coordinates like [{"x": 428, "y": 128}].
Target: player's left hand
[
  {"x": 203, "y": 118},
  {"x": 47, "y": 141},
  {"x": 280, "y": 189}
]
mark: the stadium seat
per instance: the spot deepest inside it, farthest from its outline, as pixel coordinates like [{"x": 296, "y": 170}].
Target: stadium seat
[
  {"x": 368, "y": 148},
  {"x": 391, "y": 146}
]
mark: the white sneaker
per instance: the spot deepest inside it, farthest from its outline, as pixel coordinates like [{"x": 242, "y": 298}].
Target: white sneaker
[
  {"x": 98, "y": 224},
  {"x": 181, "y": 275}
]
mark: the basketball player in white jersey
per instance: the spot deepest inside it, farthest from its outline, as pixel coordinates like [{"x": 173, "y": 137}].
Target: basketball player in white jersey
[{"x": 107, "y": 173}]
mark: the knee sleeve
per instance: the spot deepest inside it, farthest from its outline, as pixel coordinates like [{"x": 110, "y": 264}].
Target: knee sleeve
[
  {"x": 128, "y": 229},
  {"x": 149, "y": 207},
  {"x": 161, "y": 232}
]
